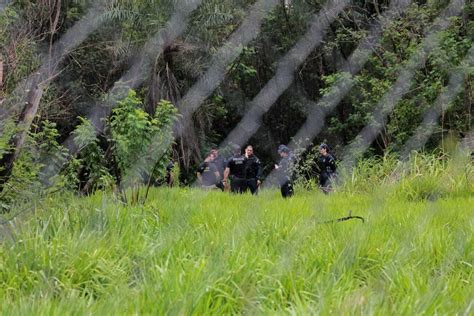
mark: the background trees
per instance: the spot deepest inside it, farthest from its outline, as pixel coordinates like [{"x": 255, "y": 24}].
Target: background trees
[{"x": 83, "y": 77}]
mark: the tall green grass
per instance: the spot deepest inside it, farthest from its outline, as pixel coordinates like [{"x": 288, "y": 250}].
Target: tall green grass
[
  {"x": 192, "y": 252},
  {"x": 424, "y": 176},
  {"x": 187, "y": 251}
]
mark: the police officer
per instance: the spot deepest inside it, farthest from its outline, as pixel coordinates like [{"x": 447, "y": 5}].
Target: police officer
[
  {"x": 207, "y": 173},
  {"x": 235, "y": 171},
  {"x": 327, "y": 167},
  {"x": 284, "y": 171},
  {"x": 253, "y": 171}
]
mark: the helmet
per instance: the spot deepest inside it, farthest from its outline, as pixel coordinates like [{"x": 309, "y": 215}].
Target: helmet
[
  {"x": 283, "y": 149},
  {"x": 324, "y": 146}
]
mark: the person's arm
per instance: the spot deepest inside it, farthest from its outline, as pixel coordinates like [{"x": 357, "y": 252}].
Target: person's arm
[
  {"x": 224, "y": 180},
  {"x": 291, "y": 166},
  {"x": 227, "y": 170},
  {"x": 226, "y": 174},
  {"x": 332, "y": 164},
  {"x": 284, "y": 166},
  {"x": 200, "y": 170}
]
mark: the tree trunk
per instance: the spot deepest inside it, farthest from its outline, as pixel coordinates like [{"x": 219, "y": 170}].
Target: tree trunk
[
  {"x": 1, "y": 74},
  {"x": 24, "y": 123},
  {"x": 2, "y": 99},
  {"x": 31, "y": 104}
]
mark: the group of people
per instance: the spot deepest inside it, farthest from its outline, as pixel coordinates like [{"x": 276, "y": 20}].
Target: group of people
[
  {"x": 243, "y": 172},
  {"x": 240, "y": 172}
]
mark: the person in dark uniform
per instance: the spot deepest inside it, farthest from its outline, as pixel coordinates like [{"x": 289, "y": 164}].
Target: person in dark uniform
[
  {"x": 235, "y": 171},
  {"x": 284, "y": 171},
  {"x": 253, "y": 171},
  {"x": 207, "y": 173},
  {"x": 327, "y": 167}
]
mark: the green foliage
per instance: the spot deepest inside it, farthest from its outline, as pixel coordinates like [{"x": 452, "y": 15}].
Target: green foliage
[
  {"x": 140, "y": 142},
  {"x": 305, "y": 170},
  {"x": 214, "y": 20},
  {"x": 175, "y": 173},
  {"x": 151, "y": 162},
  {"x": 49, "y": 153},
  {"x": 70, "y": 174},
  {"x": 138, "y": 19},
  {"x": 92, "y": 69},
  {"x": 242, "y": 69},
  {"x": 17, "y": 50},
  {"x": 91, "y": 162},
  {"x": 165, "y": 115},
  {"x": 45, "y": 137},
  {"x": 7, "y": 17},
  {"x": 31, "y": 170},
  {"x": 431, "y": 177},
  {"x": 6, "y": 133},
  {"x": 424, "y": 176},
  {"x": 131, "y": 130},
  {"x": 400, "y": 39}
]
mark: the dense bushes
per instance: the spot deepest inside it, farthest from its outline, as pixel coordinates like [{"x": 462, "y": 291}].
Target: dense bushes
[{"x": 134, "y": 145}]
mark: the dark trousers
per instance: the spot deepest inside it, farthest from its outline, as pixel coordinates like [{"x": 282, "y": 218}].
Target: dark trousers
[
  {"x": 287, "y": 189},
  {"x": 239, "y": 185},
  {"x": 325, "y": 180},
  {"x": 252, "y": 185}
]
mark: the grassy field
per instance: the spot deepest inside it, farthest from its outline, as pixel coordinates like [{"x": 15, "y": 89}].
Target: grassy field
[{"x": 188, "y": 251}]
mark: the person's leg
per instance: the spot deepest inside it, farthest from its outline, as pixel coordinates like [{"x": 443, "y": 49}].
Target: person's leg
[
  {"x": 220, "y": 185},
  {"x": 290, "y": 189},
  {"x": 252, "y": 185},
  {"x": 243, "y": 186},
  {"x": 323, "y": 182},
  {"x": 237, "y": 185},
  {"x": 322, "y": 179},
  {"x": 233, "y": 185},
  {"x": 287, "y": 189}
]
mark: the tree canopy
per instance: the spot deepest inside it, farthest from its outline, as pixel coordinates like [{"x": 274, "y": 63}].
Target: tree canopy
[{"x": 92, "y": 83}]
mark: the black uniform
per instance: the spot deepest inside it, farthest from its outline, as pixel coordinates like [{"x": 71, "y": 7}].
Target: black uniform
[
  {"x": 253, "y": 173},
  {"x": 327, "y": 165},
  {"x": 236, "y": 165},
  {"x": 284, "y": 175},
  {"x": 208, "y": 173}
]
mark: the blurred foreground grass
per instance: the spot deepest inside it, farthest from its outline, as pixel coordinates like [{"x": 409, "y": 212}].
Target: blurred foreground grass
[{"x": 188, "y": 251}]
